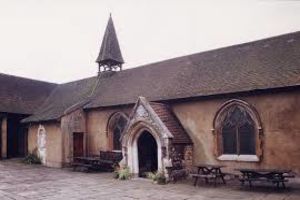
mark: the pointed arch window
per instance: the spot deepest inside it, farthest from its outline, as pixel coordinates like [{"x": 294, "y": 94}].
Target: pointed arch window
[
  {"x": 116, "y": 126},
  {"x": 238, "y": 131}
]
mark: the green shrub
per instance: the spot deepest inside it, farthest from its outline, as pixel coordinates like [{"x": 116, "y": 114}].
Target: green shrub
[
  {"x": 122, "y": 174},
  {"x": 32, "y": 158},
  {"x": 157, "y": 177}
]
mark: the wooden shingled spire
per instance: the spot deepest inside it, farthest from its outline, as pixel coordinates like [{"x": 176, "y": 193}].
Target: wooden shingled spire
[{"x": 110, "y": 57}]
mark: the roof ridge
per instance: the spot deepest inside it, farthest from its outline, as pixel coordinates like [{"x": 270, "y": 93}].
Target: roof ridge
[
  {"x": 214, "y": 49},
  {"x": 26, "y": 78}
]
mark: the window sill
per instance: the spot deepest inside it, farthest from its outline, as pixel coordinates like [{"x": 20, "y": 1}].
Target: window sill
[
  {"x": 244, "y": 158},
  {"x": 117, "y": 151}
]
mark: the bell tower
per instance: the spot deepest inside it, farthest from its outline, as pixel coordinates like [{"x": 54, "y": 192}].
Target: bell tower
[{"x": 110, "y": 57}]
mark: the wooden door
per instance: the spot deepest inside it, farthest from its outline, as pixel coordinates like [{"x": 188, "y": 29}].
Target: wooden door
[{"x": 78, "y": 144}]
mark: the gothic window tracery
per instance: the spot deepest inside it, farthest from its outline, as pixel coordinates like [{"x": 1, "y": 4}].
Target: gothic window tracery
[
  {"x": 238, "y": 132},
  {"x": 237, "y": 129},
  {"x": 116, "y": 126}
]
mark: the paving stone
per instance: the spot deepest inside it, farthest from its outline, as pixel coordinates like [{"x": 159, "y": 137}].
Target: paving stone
[{"x": 19, "y": 182}]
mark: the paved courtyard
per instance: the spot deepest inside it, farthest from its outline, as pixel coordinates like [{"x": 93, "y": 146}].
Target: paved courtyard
[{"x": 19, "y": 181}]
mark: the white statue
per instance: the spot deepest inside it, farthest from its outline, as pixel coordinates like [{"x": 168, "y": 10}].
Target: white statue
[{"x": 41, "y": 143}]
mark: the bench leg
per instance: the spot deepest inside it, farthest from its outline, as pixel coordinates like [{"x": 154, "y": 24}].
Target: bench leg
[
  {"x": 206, "y": 180},
  {"x": 196, "y": 180},
  {"x": 242, "y": 182},
  {"x": 283, "y": 185},
  {"x": 215, "y": 182},
  {"x": 250, "y": 184},
  {"x": 222, "y": 177}
]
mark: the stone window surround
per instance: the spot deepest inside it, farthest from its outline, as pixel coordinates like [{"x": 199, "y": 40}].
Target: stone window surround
[
  {"x": 109, "y": 131},
  {"x": 258, "y": 133}
]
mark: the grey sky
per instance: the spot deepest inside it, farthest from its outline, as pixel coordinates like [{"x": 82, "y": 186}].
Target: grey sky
[{"x": 58, "y": 40}]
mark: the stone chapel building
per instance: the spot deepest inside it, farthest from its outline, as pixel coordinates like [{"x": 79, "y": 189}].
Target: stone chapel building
[{"x": 238, "y": 106}]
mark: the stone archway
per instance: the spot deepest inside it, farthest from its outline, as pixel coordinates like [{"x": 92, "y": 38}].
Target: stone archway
[
  {"x": 131, "y": 147},
  {"x": 147, "y": 153},
  {"x": 149, "y": 117}
]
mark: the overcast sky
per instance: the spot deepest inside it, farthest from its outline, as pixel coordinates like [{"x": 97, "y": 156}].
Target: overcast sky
[{"x": 58, "y": 40}]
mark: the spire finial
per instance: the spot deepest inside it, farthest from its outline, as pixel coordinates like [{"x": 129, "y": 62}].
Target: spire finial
[{"x": 110, "y": 57}]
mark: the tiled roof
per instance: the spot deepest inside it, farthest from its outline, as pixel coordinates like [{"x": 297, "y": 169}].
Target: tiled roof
[
  {"x": 263, "y": 64},
  {"x": 22, "y": 95},
  {"x": 64, "y": 97},
  {"x": 171, "y": 122}
]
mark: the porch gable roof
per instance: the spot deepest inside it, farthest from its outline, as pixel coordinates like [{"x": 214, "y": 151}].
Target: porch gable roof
[{"x": 160, "y": 117}]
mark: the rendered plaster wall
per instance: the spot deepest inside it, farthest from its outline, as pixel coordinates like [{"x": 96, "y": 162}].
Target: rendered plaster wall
[
  {"x": 53, "y": 142},
  {"x": 32, "y": 138},
  {"x": 3, "y": 137},
  {"x": 280, "y": 117},
  {"x": 97, "y": 136}
]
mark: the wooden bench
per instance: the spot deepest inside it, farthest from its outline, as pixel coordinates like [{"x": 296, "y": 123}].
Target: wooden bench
[
  {"x": 109, "y": 160},
  {"x": 106, "y": 161},
  {"x": 206, "y": 177},
  {"x": 203, "y": 175},
  {"x": 78, "y": 166},
  {"x": 85, "y": 164}
]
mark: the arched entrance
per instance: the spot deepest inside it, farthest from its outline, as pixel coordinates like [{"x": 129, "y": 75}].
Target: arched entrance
[
  {"x": 147, "y": 154},
  {"x": 137, "y": 142},
  {"x": 146, "y": 131}
]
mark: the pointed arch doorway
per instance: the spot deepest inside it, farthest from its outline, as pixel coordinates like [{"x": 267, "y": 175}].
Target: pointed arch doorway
[
  {"x": 147, "y": 153},
  {"x": 146, "y": 130}
]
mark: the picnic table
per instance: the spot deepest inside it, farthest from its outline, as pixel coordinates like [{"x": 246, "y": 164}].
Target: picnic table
[
  {"x": 275, "y": 176},
  {"x": 209, "y": 171}
]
